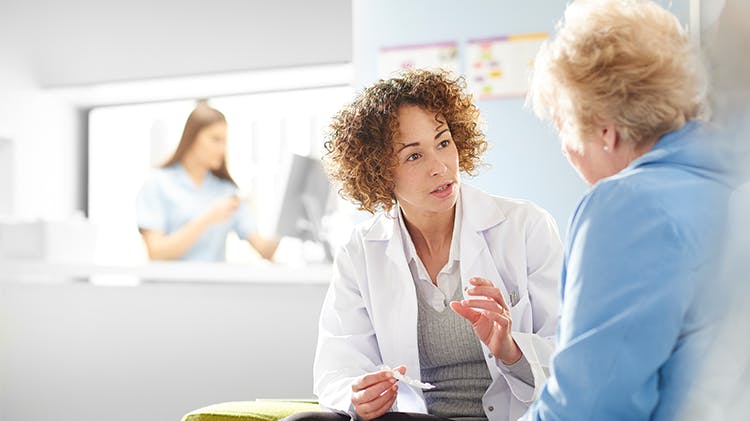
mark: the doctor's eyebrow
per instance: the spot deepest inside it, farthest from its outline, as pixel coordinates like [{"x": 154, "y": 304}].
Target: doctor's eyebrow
[{"x": 406, "y": 145}]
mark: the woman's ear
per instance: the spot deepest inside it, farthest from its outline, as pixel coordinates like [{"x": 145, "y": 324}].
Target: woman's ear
[{"x": 609, "y": 138}]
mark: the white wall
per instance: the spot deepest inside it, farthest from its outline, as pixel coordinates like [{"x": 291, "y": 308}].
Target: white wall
[
  {"x": 152, "y": 352},
  {"x": 84, "y": 41},
  {"x": 45, "y": 143},
  {"x": 6, "y": 176}
]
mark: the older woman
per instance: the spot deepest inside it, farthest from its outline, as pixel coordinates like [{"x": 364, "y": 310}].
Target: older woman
[
  {"x": 624, "y": 89},
  {"x": 398, "y": 150}
]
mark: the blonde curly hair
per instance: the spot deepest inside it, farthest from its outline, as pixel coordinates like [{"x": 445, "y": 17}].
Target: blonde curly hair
[
  {"x": 360, "y": 155},
  {"x": 625, "y": 61}
]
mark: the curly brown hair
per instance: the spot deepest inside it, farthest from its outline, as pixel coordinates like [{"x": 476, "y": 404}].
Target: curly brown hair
[{"x": 359, "y": 154}]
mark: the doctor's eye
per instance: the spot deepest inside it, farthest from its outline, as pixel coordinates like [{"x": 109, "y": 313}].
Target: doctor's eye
[
  {"x": 444, "y": 144},
  {"x": 414, "y": 156}
]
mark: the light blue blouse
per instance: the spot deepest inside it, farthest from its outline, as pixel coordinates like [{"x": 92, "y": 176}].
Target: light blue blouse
[
  {"x": 639, "y": 285},
  {"x": 169, "y": 199}
]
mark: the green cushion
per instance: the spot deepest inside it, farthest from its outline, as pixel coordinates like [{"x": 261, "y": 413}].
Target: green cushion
[{"x": 259, "y": 410}]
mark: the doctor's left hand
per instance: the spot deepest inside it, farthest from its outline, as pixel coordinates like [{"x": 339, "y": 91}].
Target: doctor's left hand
[{"x": 490, "y": 318}]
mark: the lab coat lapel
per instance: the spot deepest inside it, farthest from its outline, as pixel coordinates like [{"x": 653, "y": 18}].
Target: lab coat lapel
[
  {"x": 397, "y": 296},
  {"x": 479, "y": 214}
]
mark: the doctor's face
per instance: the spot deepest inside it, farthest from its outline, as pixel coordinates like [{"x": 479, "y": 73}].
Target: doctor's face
[
  {"x": 426, "y": 177},
  {"x": 210, "y": 145}
]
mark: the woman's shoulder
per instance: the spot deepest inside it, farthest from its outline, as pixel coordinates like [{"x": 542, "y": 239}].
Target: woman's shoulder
[
  {"x": 377, "y": 226},
  {"x": 621, "y": 193},
  {"x": 621, "y": 205},
  {"x": 156, "y": 186},
  {"x": 161, "y": 175},
  {"x": 158, "y": 178}
]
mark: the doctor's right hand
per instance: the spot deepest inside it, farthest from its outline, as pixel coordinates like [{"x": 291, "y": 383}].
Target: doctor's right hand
[
  {"x": 373, "y": 394},
  {"x": 221, "y": 210}
]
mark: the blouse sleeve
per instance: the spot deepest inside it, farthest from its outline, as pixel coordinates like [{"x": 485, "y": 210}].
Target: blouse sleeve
[
  {"x": 150, "y": 207},
  {"x": 243, "y": 222}
]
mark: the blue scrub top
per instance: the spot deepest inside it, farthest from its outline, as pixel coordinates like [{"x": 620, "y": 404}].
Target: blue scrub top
[
  {"x": 639, "y": 285},
  {"x": 170, "y": 199}
]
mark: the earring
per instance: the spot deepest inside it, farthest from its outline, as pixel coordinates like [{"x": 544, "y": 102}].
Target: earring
[{"x": 606, "y": 148}]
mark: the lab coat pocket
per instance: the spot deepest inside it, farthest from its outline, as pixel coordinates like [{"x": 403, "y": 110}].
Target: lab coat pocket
[{"x": 520, "y": 313}]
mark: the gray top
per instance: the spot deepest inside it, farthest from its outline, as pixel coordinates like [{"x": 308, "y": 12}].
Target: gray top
[
  {"x": 522, "y": 370},
  {"x": 450, "y": 358}
]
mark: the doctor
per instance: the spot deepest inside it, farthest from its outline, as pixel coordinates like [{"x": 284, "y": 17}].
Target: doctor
[{"x": 437, "y": 243}]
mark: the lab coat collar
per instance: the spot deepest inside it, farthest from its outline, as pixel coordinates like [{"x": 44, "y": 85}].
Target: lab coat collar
[{"x": 479, "y": 210}]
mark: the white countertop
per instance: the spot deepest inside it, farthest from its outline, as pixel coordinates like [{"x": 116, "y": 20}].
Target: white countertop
[{"x": 205, "y": 272}]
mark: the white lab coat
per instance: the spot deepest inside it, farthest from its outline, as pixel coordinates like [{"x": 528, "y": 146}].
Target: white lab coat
[{"x": 369, "y": 315}]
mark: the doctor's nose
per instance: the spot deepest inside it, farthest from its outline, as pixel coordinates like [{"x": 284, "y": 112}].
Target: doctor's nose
[{"x": 438, "y": 167}]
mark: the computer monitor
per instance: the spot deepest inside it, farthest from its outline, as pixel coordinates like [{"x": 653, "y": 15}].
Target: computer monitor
[{"x": 305, "y": 202}]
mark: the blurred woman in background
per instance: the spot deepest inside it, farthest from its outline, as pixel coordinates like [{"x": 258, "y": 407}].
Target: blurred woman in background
[{"x": 187, "y": 208}]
